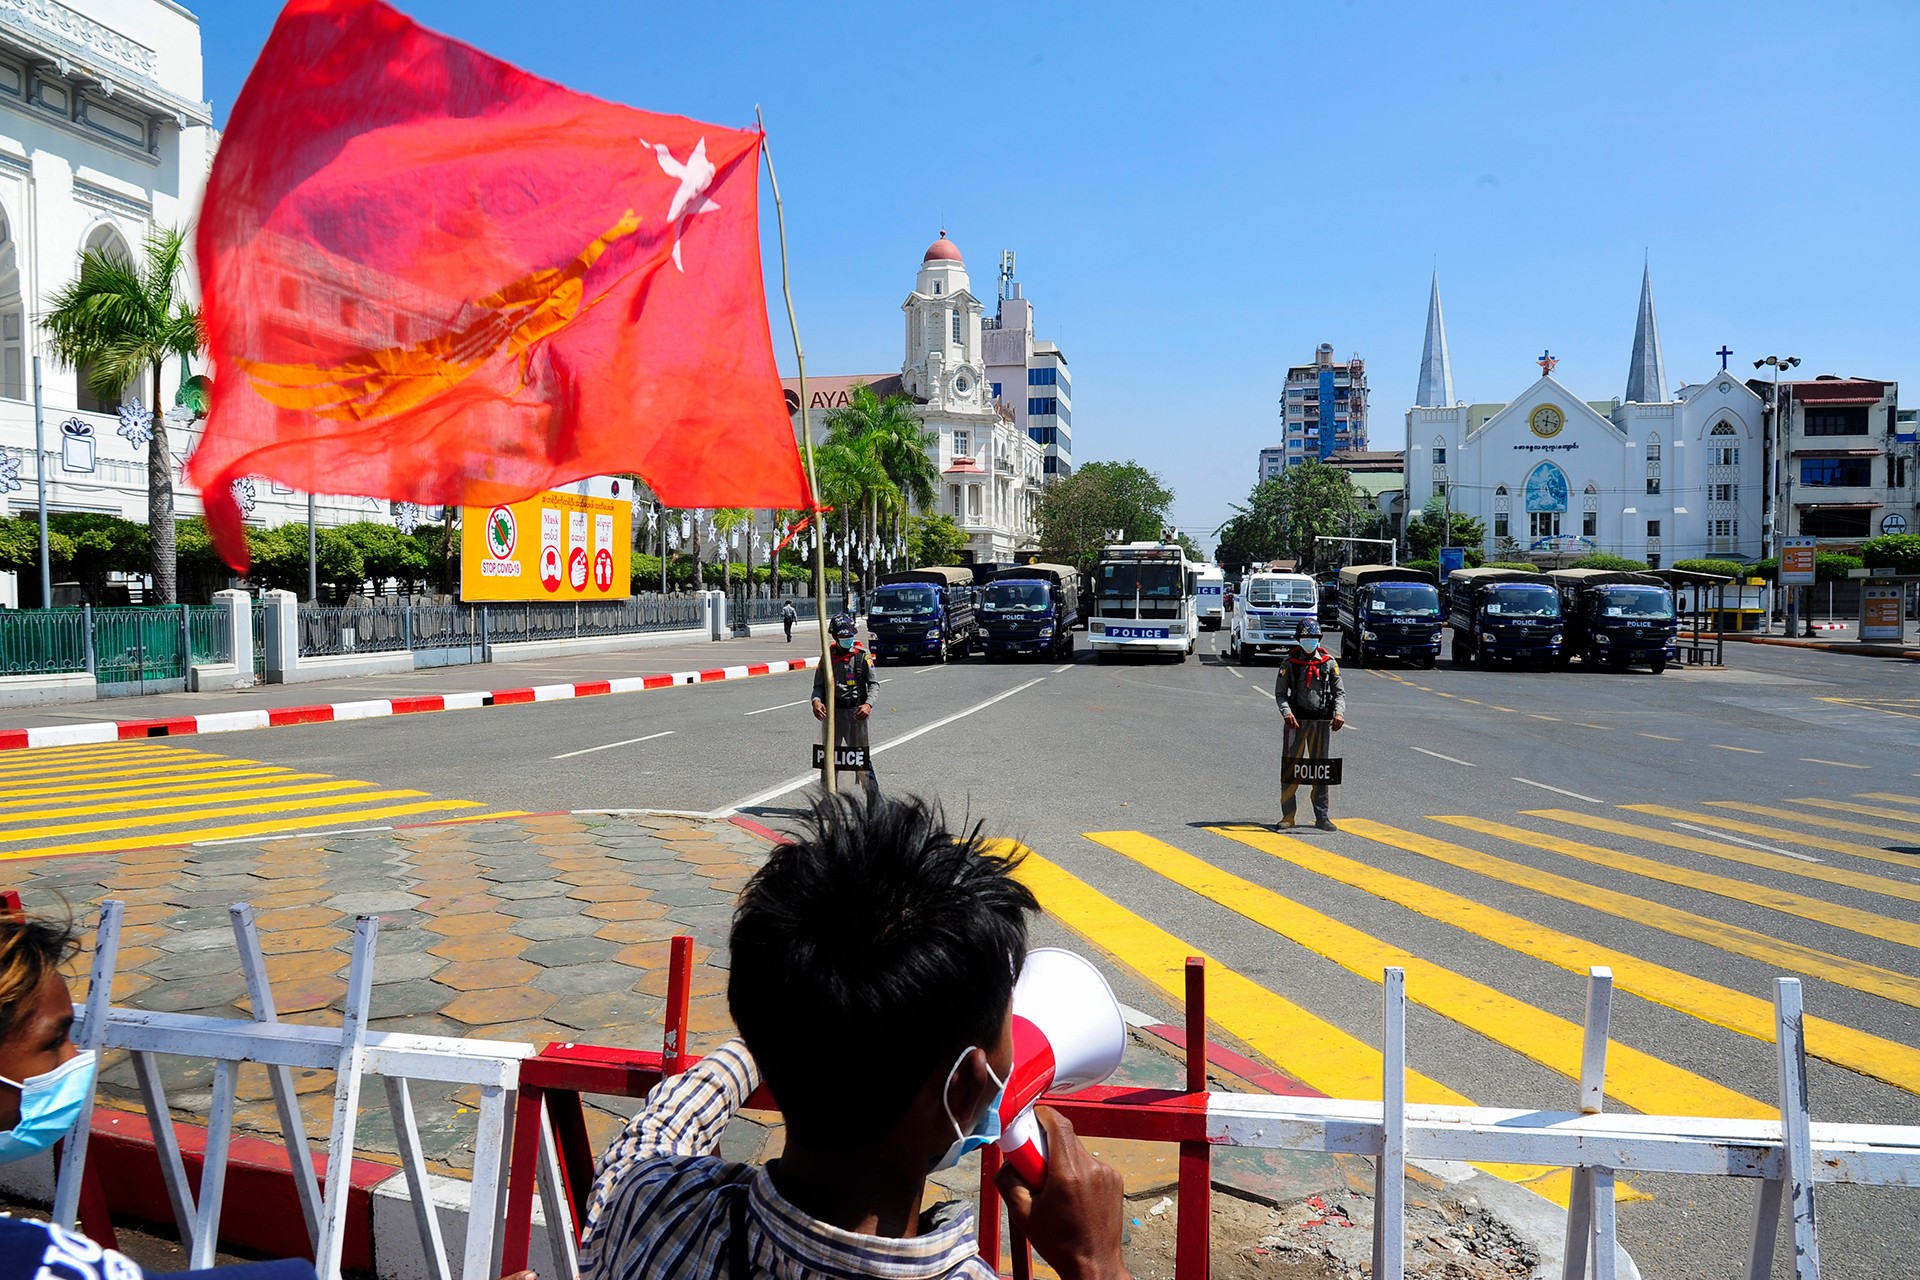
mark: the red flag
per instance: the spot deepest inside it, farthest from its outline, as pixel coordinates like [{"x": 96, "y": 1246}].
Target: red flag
[{"x": 433, "y": 277}]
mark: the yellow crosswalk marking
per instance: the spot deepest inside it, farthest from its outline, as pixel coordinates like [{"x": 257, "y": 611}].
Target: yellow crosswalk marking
[
  {"x": 1888, "y": 795},
  {"x": 241, "y": 829},
  {"x": 1886, "y": 1060},
  {"x": 1639, "y": 1080},
  {"x": 1867, "y": 810},
  {"x": 146, "y": 804},
  {"x": 197, "y": 815},
  {"x": 43, "y": 757},
  {"x": 1312, "y": 1050},
  {"x": 1732, "y": 853},
  {"x": 97, "y": 760},
  {"x": 1836, "y": 824},
  {"x": 182, "y": 769},
  {"x": 1781, "y": 833},
  {"x": 1751, "y": 943},
  {"x": 79, "y": 792},
  {"x": 1793, "y": 904}
]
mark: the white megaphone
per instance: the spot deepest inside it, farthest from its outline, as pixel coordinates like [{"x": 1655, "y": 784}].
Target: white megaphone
[{"x": 1068, "y": 1033}]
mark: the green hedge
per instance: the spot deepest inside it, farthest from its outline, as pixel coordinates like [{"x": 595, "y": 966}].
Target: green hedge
[
  {"x": 1607, "y": 560},
  {"x": 1524, "y": 565},
  {"x": 1726, "y": 568}
]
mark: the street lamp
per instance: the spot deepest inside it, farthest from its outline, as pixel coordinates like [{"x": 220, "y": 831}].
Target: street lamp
[{"x": 1775, "y": 514}]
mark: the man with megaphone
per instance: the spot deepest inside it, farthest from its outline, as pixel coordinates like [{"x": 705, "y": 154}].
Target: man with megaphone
[{"x": 873, "y": 969}]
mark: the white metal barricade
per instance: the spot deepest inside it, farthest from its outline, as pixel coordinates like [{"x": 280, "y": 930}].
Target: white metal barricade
[{"x": 352, "y": 1051}]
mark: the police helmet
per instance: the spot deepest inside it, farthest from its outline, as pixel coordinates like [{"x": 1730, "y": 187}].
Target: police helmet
[
  {"x": 1309, "y": 633},
  {"x": 842, "y": 627}
]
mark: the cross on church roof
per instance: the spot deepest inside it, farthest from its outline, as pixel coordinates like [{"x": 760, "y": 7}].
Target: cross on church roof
[
  {"x": 1723, "y": 353},
  {"x": 1546, "y": 361}
]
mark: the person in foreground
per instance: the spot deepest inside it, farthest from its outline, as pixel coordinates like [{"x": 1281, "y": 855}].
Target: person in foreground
[
  {"x": 44, "y": 1081},
  {"x": 872, "y": 970}
]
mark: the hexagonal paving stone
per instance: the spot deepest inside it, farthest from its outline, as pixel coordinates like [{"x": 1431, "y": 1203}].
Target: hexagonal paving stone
[
  {"x": 715, "y": 919},
  {"x": 485, "y": 946},
  {"x": 641, "y": 853},
  {"x": 522, "y": 890},
  {"x": 373, "y": 902},
  {"x": 301, "y": 965},
  {"x": 296, "y": 917},
  {"x": 196, "y": 995},
  {"x": 190, "y": 940},
  {"x": 405, "y": 967},
  {"x": 686, "y": 895},
  {"x": 718, "y": 853},
  {"x": 628, "y": 931},
  {"x": 193, "y": 964},
  {"x": 466, "y": 926},
  {"x": 466, "y": 905},
  {"x": 475, "y": 975},
  {"x": 586, "y": 979},
  {"x": 566, "y": 951},
  {"x": 542, "y": 930},
  {"x": 515, "y": 873},
  {"x": 286, "y": 941},
  {"x": 507, "y": 1004},
  {"x": 701, "y": 981},
  {"x": 611, "y": 893},
  {"x": 408, "y": 999},
  {"x": 658, "y": 954},
  {"x": 542, "y": 909},
  {"x": 636, "y": 1016}
]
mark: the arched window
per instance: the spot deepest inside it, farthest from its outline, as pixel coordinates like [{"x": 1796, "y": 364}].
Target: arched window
[
  {"x": 1590, "y": 511},
  {"x": 1439, "y": 462},
  {"x": 1545, "y": 495},
  {"x": 1653, "y": 464},
  {"x": 107, "y": 240},
  {"x": 1502, "y": 513},
  {"x": 13, "y": 320},
  {"x": 1721, "y": 449}
]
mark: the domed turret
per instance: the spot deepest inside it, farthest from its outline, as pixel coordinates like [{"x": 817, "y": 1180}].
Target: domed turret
[{"x": 942, "y": 250}]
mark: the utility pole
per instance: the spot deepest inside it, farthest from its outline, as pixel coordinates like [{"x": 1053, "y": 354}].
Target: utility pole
[
  {"x": 1773, "y": 515},
  {"x": 313, "y": 556},
  {"x": 40, "y": 482}
]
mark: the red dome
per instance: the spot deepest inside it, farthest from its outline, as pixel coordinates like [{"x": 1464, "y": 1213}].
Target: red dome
[{"x": 942, "y": 250}]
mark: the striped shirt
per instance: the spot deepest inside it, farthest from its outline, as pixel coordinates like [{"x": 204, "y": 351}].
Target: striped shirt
[{"x": 664, "y": 1203}]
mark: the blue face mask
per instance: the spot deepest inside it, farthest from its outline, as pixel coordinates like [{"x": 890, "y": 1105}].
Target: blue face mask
[
  {"x": 986, "y": 1130},
  {"x": 49, "y": 1104}
]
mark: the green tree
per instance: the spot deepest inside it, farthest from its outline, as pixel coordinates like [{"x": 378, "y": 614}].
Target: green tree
[
  {"x": 1191, "y": 547},
  {"x": 1285, "y": 516},
  {"x": 935, "y": 539},
  {"x": 855, "y": 484},
  {"x": 726, "y": 522},
  {"x": 20, "y": 547},
  {"x": 385, "y": 553},
  {"x": 1423, "y": 533},
  {"x": 1725, "y": 568},
  {"x": 1897, "y": 551},
  {"x": 279, "y": 558},
  {"x": 1079, "y": 514},
  {"x": 120, "y": 321},
  {"x": 100, "y": 545}
]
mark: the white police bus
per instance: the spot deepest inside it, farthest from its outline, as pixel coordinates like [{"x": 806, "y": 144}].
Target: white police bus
[
  {"x": 1143, "y": 601},
  {"x": 1210, "y": 597}
]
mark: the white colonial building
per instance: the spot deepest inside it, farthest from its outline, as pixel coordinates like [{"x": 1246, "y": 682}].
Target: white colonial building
[{"x": 1653, "y": 475}]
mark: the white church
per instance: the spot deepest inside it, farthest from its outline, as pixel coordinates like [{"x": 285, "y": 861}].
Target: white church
[{"x": 1660, "y": 474}]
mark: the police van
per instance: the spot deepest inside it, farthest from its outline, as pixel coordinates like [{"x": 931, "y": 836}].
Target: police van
[{"x": 1268, "y": 611}]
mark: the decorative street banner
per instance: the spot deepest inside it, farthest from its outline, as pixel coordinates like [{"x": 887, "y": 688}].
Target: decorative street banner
[
  {"x": 1308, "y": 773},
  {"x": 559, "y": 545},
  {"x": 1796, "y": 562}
]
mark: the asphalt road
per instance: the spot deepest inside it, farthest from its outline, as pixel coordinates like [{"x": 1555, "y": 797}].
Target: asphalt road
[{"x": 1466, "y": 792}]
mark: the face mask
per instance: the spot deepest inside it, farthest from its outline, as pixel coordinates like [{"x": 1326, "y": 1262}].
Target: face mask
[
  {"x": 49, "y": 1104},
  {"x": 986, "y": 1130}
]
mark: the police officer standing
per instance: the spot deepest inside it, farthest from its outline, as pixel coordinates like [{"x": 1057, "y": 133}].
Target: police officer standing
[
  {"x": 1314, "y": 702},
  {"x": 787, "y": 615},
  {"x": 852, "y": 694}
]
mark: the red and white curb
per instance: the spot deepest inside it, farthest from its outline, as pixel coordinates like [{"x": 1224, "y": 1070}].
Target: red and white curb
[{"x": 98, "y": 731}]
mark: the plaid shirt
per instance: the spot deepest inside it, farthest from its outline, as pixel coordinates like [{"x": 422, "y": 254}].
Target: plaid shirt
[{"x": 662, "y": 1201}]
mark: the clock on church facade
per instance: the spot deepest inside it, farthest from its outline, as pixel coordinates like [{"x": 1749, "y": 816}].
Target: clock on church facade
[{"x": 1546, "y": 421}]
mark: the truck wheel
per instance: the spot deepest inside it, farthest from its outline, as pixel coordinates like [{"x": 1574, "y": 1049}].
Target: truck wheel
[
  {"x": 1426, "y": 663},
  {"x": 940, "y": 653},
  {"x": 1100, "y": 657},
  {"x": 1358, "y": 657},
  {"x": 1462, "y": 654},
  {"x": 1244, "y": 654},
  {"x": 1659, "y": 665}
]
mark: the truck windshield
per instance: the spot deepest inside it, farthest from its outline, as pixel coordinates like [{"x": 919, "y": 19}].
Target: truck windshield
[
  {"x": 1411, "y": 597},
  {"x": 1524, "y": 602},
  {"x": 1636, "y": 602},
  {"x": 1274, "y": 594},
  {"x": 1153, "y": 581},
  {"x": 889, "y": 601},
  {"x": 1015, "y": 597}
]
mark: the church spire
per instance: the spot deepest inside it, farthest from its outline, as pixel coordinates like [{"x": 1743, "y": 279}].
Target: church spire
[
  {"x": 1647, "y": 374},
  {"x": 1436, "y": 370}
]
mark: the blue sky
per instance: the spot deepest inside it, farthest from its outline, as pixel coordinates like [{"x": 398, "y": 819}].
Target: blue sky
[{"x": 1198, "y": 199}]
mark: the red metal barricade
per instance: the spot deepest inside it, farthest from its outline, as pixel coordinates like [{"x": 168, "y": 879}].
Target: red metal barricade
[{"x": 552, "y": 1083}]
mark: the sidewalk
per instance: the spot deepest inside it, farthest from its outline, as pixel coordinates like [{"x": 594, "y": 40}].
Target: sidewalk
[
  {"x": 427, "y": 683},
  {"x": 1835, "y": 636}
]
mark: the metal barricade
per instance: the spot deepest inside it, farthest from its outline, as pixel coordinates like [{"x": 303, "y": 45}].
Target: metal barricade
[
  {"x": 42, "y": 641},
  {"x": 140, "y": 649}
]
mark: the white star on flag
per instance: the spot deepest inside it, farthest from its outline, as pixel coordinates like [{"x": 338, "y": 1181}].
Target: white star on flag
[{"x": 696, "y": 174}]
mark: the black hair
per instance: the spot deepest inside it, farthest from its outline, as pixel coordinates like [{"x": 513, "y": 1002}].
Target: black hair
[
  {"x": 866, "y": 955},
  {"x": 31, "y": 947}
]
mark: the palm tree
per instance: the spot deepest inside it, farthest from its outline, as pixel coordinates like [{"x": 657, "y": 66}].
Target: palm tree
[
  {"x": 120, "y": 321},
  {"x": 725, "y": 521},
  {"x": 898, "y": 442},
  {"x": 850, "y": 478}
]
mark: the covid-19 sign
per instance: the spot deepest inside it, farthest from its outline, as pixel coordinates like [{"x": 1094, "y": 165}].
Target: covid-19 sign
[{"x": 565, "y": 544}]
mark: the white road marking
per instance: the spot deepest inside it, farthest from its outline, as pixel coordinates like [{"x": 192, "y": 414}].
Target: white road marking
[
  {"x": 1838, "y": 764},
  {"x": 1235, "y": 674},
  {"x": 1659, "y": 737},
  {"x": 1449, "y": 759},
  {"x": 920, "y": 671},
  {"x": 782, "y": 707},
  {"x": 800, "y": 780},
  {"x": 587, "y": 751},
  {"x": 1065, "y": 666},
  {"x": 1559, "y": 790},
  {"x": 1764, "y": 848}
]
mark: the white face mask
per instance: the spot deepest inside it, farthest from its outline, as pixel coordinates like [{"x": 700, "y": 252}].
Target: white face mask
[{"x": 985, "y": 1131}]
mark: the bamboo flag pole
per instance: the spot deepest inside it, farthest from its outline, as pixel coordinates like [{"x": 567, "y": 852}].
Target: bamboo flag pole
[{"x": 830, "y": 773}]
